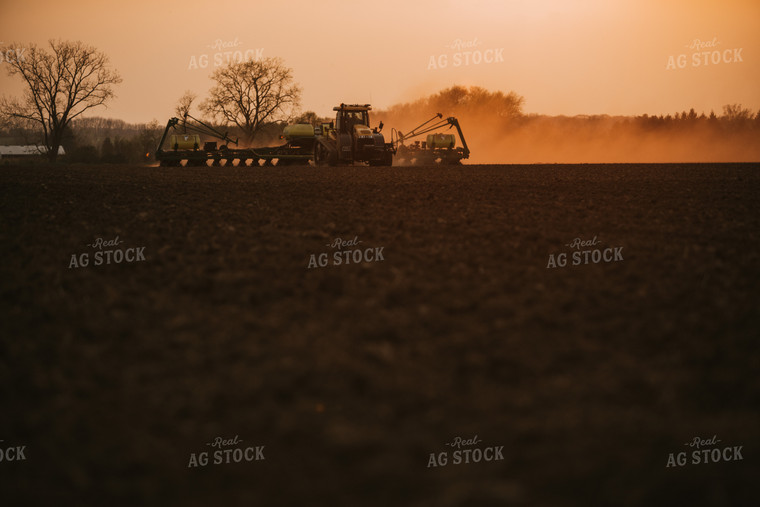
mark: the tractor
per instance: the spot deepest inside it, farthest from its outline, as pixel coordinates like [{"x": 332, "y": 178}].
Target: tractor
[{"x": 350, "y": 139}]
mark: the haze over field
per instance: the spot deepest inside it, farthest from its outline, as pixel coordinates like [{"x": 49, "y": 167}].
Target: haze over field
[
  {"x": 497, "y": 131},
  {"x": 628, "y": 57}
]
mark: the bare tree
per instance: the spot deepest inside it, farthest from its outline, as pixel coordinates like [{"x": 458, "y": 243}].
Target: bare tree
[
  {"x": 185, "y": 102},
  {"x": 459, "y": 99},
  {"x": 251, "y": 94},
  {"x": 736, "y": 113},
  {"x": 61, "y": 84}
]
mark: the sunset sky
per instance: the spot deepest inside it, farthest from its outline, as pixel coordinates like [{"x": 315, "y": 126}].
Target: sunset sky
[{"x": 564, "y": 56}]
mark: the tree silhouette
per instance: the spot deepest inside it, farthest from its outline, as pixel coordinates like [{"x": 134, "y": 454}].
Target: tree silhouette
[
  {"x": 251, "y": 94},
  {"x": 736, "y": 113},
  {"x": 61, "y": 84},
  {"x": 184, "y": 104}
]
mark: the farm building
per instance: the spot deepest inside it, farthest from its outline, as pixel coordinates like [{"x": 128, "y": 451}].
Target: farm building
[{"x": 29, "y": 150}]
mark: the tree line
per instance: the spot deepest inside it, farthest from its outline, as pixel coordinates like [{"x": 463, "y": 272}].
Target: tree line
[
  {"x": 109, "y": 140},
  {"x": 253, "y": 100}
]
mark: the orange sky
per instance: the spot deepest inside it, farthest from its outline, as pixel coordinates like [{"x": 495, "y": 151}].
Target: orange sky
[{"x": 564, "y": 56}]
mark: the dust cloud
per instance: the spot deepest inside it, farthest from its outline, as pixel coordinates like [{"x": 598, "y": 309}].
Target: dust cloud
[{"x": 498, "y": 132}]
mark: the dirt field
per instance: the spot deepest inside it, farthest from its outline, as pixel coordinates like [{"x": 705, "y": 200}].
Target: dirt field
[{"x": 115, "y": 376}]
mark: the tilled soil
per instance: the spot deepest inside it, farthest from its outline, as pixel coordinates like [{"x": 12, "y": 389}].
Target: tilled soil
[{"x": 581, "y": 379}]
